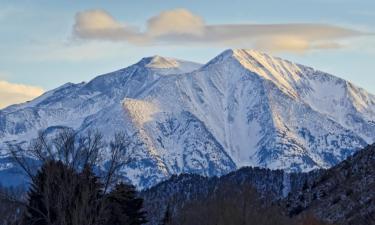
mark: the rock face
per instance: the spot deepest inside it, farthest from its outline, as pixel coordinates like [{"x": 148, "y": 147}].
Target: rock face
[
  {"x": 242, "y": 108},
  {"x": 344, "y": 194}
]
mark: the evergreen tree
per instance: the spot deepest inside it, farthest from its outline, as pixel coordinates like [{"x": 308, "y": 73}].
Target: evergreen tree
[
  {"x": 124, "y": 207},
  {"x": 87, "y": 199},
  {"x": 66, "y": 191},
  {"x": 59, "y": 195},
  {"x": 47, "y": 194},
  {"x": 36, "y": 209}
]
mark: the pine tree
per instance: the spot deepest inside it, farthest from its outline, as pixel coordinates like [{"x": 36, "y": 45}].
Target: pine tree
[
  {"x": 36, "y": 209},
  {"x": 48, "y": 196},
  {"x": 87, "y": 198},
  {"x": 124, "y": 207},
  {"x": 66, "y": 191},
  {"x": 59, "y": 195}
]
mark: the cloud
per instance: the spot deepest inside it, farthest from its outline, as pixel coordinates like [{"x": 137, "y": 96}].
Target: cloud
[
  {"x": 182, "y": 27},
  {"x": 293, "y": 44},
  {"x": 11, "y": 93},
  {"x": 177, "y": 21},
  {"x": 99, "y": 24}
]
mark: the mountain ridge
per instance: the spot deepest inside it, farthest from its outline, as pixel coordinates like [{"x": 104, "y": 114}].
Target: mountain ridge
[
  {"x": 242, "y": 108},
  {"x": 342, "y": 194}
]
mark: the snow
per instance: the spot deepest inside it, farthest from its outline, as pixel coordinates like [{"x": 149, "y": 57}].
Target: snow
[
  {"x": 140, "y": 111},
  {"x": 243, "y": 108},
  {"x": 282, "y": 73},
  {"x": 162, "y": 63},
  {"x": 167, "y": 66}
]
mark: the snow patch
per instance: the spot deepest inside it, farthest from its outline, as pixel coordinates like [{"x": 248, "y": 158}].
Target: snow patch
[{"x": 140, "y": 111}]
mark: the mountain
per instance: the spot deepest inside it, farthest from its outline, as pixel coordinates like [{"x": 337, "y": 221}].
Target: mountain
[
  {"x": 181, "y": 190},
  {"x": 343, "y": 194},
  {"x": 242, "y": 108}
]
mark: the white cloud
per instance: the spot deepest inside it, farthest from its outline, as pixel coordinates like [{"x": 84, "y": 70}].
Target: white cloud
[
  {"x": 293, "y": 44},
  {"x": 11, "y": 93},
  {"x": 177, "y": 21},
  {"x": 95, "y": 20},
  {"x": 99, "y": 24},
  {"x": 182, "y": 27}
]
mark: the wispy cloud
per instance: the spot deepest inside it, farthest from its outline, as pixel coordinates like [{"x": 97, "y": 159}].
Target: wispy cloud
[
  {"x": 180, "y": 26},
  {"x": 11, "y": 93}
]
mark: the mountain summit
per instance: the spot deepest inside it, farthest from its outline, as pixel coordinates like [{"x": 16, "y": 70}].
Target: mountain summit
[
  {"x": 242, "y": 108},
  {"x": 160, "y": 62},
  {"x": 165, "y": 65},
  {"x": 282, "y": 73}
]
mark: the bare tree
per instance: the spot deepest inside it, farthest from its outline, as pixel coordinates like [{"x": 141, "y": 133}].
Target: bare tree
[
  {"x": 120, "y": 155},
  {"x": 77, "y": 153}
]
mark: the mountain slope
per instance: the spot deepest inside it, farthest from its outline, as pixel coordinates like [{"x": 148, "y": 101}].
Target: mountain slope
[
  {"x": 243, "y": 108},
  {"x": 343, "y": 194}
]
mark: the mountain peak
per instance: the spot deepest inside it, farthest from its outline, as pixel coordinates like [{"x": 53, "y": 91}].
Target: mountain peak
[
  {"x": 244, "y": 109},
  {"x": 160, "y": 62},
  {"x": 284, "y": 74},
  {"x": 239, "y": 52},
  {"x": 242, "y": 51},
  {"x": 166, "y": 65},
  {"x": 250, "y": 58}
]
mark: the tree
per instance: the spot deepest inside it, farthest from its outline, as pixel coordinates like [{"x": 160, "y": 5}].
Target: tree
[
  {"x": 76, "y": 151},
  {"x": 124, "y": 207},
  {"x": 88, "y": 196},
  {"x": 65, "y": 190},
  {"x": 40, "y": 210},
  {"x": 11, "y": 206},
  {"x": 309, "y": 219},
  {"x": 59, "y": 195},
  {"x": 230, "y": 204}
]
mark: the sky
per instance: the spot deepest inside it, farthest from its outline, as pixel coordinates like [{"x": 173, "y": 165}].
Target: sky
[{"x": 44, "y": 44}]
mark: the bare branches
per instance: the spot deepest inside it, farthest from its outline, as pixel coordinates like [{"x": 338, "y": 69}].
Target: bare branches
[
  {"x": 119, "y": 156},
  {"x": 77, "y": 152},
  {"x": 89, "y": 150},
  {"x": 20, "y": 157}
]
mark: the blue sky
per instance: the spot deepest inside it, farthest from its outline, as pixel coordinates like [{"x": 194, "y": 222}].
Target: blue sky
[{"x": 47, "y": 43}]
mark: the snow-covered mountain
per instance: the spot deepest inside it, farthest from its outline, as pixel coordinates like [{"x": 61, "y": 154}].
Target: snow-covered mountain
[{"x": 242, "y": 108}]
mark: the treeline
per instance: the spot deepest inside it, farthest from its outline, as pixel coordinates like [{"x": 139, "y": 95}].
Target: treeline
[
  {"x": 77, "y": 181},
  {"x": 231, "y": 205}
]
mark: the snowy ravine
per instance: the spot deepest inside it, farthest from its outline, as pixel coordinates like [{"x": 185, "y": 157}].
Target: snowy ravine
[{"x": 242, "y": 108}]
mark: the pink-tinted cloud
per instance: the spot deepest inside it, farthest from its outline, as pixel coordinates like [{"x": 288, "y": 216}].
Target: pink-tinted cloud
[{"x": 11, "y": 93}]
